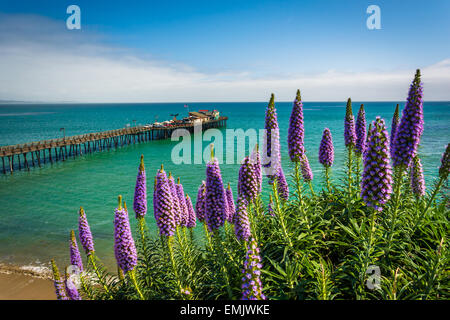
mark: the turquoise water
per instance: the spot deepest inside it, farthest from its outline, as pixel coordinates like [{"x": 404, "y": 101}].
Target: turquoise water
[{"x": 39, "y": 208}]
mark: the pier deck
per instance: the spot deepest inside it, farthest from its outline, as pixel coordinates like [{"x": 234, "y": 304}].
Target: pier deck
[{"x": 49, "y": 151}]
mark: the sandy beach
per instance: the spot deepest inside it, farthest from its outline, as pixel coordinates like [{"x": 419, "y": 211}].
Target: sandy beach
[{"x": 17, "y": 283}]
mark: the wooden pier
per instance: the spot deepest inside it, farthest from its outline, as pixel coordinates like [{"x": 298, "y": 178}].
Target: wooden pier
[{"x": 50, "y": 151}]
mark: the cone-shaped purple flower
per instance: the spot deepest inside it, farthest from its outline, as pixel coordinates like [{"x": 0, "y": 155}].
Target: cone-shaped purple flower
[
  {"x": 349, "y": 126},
  {"x": 241, "y": 221},
  {"x": 201, "y": 202},
  {"x": 282, "y": 185},
  {"x": 306, "y": 169},
  {"x": 445, "y": 164},
  {"x": 251, "y": 274},
  {"x": 394, "y": 127},
  {"x": 71, "y": 289},
  {"x": 409, "y": 131},
  {"x": 360, "y": 129},
  {"x": 215, "y": 195},
  {"x": 255, "y": 160},
  {"x": 175, "y": 200},
  {"x": 140, "y": 192},
  {"x": 75, "y": 257},
  {"x": 183, "y": 207},
  {"x": 296, "y": 132},
  {"x": 271, "y": 146},
  {"x": 326, "y": 149},
  {"x": 85, "y": 233},
  {"x": 231, "y": 206},
  {"x": 416, "y": 177},
  {"x": 124, "y": 247},
  {"x": 164, "y": 210},
  {"x": 376, "y": 184},
  {"x": 248, "y": 187},
  {"x": 191, "y": 222},
  {"x": 58, "y": 282}
]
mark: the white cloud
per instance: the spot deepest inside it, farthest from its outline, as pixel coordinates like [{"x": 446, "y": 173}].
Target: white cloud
[{"x": 42, "y": 61}]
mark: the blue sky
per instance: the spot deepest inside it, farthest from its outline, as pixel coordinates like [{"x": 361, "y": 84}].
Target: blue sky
[{"x": 237, "y": 46}]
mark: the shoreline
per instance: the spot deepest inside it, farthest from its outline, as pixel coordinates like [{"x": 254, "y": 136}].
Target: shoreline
[{"x": 25, "y": 283}]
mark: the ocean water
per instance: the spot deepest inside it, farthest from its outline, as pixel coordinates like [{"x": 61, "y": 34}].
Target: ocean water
[{"x": 39, "y": 208}]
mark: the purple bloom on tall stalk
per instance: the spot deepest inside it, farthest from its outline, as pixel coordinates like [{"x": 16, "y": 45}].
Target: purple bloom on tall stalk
[
  {"x": 410, "y": 129},
  {"x": 71, "y": 289},
  {"x": 416, "y": 177},
  {"x": 231, "y": 206},
  {"x": 394, "y": 127},
  {"x": 175, "y": 200},
  {"x": 183, "y": 207},
  {"x": 75, "y": 257},
  {"x": 201, "y": 202},
  {"x": 85, "y": 233},
  {"x": 58, "y": 282},
  {"x": 349, "y": 126},
  {"x": 282, "y": 185},
  {"x": 140, "y": 192},
  {"x": 255, "y": 160},
  {"x": 215, "y": 195},
  {"x": 306, "y": 169},
  {"x": 296, "y": 132},
  {"x": 445, "y": 164},
  {"x": 248, "y": 187},
  {"x": 124, "y": 247},
  {"x": 241, "y": 221},
  {"x": 271, "y": 146},
  {"x": 376, "y": 184},
  {"x": 251, "y": 274},
  {"x": 191, "y": 221},
  {"x": 164, "y": 213},
  {"x": 360, "y": 130},
  {"x": 326, "y": 149}
]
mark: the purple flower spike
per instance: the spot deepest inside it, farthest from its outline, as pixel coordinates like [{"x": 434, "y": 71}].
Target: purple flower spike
[
  {"x": 231, "y": 206},
  {"x": 271, "y": 147},
  {"x": 326, "y": 149},
  {"x": 376, "y": 184},
  {"x": 349, "y": 126},
  {"x": 140, "y": 192},
  {"x": 85, "y": 233},
  {"x": 255, "y": 160},
  {"x": 410, "y": 129},
  {"x": 191, "y": 222},
  {"x": 394, "y": 127},
  {"x": 58, "y": 282},
  {"x": 75, "y": 257},
  {"x": 251, "y": 274},
  {"x": 215, "y": 195},
  {"x": 240, "y": 220},
  {"x": 296, "y": 131},
  {"x": 417, "y": 180},
  {"x": 175, "y": 200},
  {"x": 282, "y": 185},
  {"x": 71, "y": 289},
  {"x": 183, "y": 207},
  {"x": 306, "y": 169},
  {"x": 124, "y": 247},
  {"x": 164, "y": 213},
  {"x": 360, "y": 129},
  {"x": 248, "y": 187},
  {"x": 445, "y": 164},
  {"x": 201, "y": 202}
]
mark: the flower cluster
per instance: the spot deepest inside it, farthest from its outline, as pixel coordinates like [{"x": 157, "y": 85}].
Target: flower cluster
[
  {"x": 251, "y": 274},
  {"x": 201, "y": 202},
  {"x": 394, "y": 126},
  {"x": 248, "y": 187},
  {"x": 360, "y": 130},
  {"x": 163, "y": 205},
  {"x": 416, "y": 178},
  {"x": 296, "y": 132},
  {"x": 376, "y": 184},
  {"x": 326, "y": 149},
  {"x": 85, "y": 233},
  {"x": 349, "y": 126},
  {"x": 175, "y": 200},
  {"x": 58, "y": 282},
  {"x": 230, "y": 202},
  {"x": 255, "y": 160},
  {"x": 124, "y": 247},
  {"x": 71, "y": 289},
  {"x": 271, "y": 147},
  {"x": 282, "y": 185},
  {"x": 140, "y": 192},
  {"x": 184, "y": 215},
  {"x": 306, "y": 169},
  {"x": 75, "y": 257},
  {"x": 191, "y": 221},
  {"x": 241, "y": 221},
  {"x": 215, "y": 196},
  {"x": 409, "y": 131}
]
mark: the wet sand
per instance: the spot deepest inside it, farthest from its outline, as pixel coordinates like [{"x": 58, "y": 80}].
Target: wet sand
[{"x": 19, "y": 284}]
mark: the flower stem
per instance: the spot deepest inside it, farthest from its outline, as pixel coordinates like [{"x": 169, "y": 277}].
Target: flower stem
[
  {"x": 132, "y": 275},
  {"x": 435, "y": 192},
  {"x": 397, "y": 191},
  {"x": 91, "y": 259},
  {"x": 327, "y": 177},
  {"x": 174, "y": 266}
]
